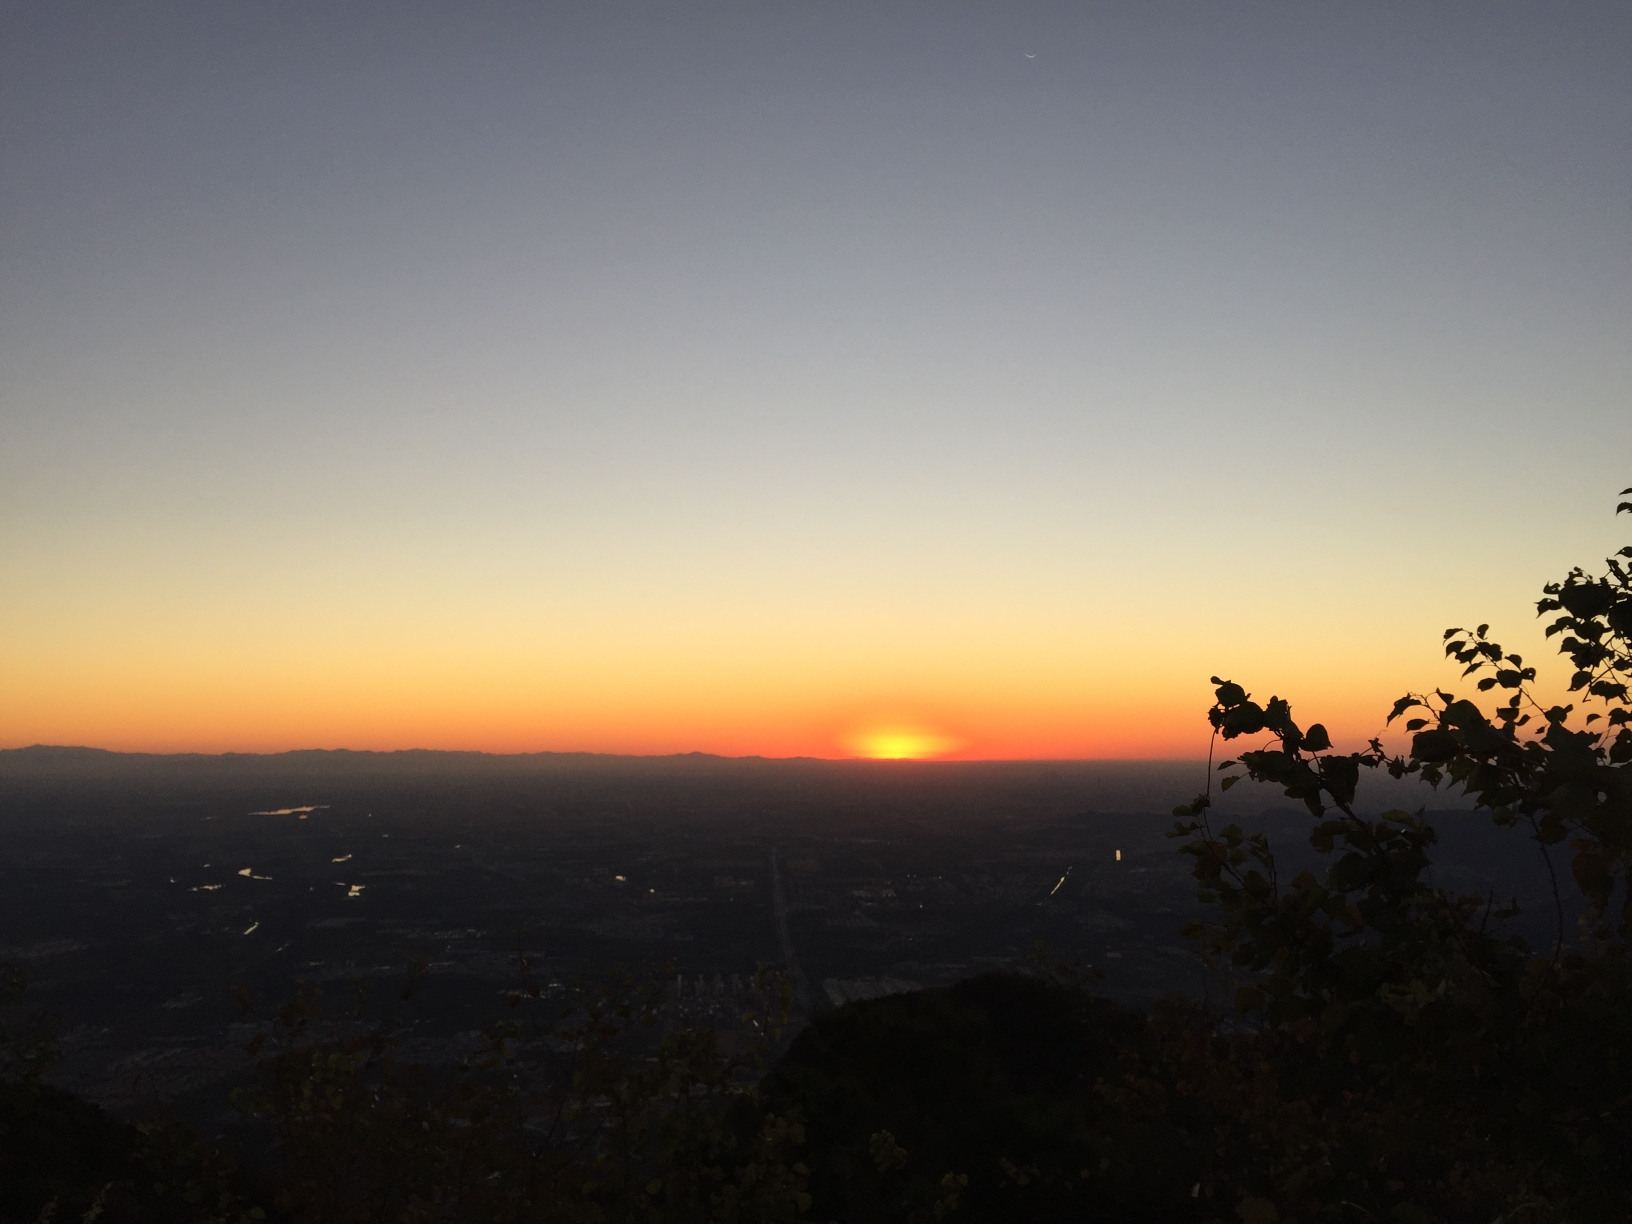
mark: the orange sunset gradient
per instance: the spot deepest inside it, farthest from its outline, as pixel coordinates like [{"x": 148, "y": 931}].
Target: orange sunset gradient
[
  {"x": 175, "y": 644},
  {"x": 296, "y": 680}
]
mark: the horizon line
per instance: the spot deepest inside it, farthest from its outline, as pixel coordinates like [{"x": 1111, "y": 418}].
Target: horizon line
[{"x": 555, "y": 752}]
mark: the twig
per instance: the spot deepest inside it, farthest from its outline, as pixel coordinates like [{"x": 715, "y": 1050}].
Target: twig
[{"x": 1558, "y": 901}]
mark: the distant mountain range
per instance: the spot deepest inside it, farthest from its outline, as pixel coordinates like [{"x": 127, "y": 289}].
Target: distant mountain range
[{"x": 47, "y": 758}]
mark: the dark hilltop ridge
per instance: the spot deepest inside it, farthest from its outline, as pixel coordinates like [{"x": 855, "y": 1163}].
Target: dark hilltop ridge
[
  {"x": 76, "y": 756},
  {"x": 59, "y": 763},
  {"x": 1107, "y": 784}
]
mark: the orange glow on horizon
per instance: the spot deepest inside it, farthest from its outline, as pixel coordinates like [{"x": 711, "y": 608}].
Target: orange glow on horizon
[
  {"x": 329, "y": 677},
  {"x": 901, "y": 744},
  {"x": 812, "y": 713}
]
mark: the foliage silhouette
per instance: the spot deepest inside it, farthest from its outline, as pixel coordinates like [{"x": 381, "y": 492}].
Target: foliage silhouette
[{"x": 1410, "y": 1060}]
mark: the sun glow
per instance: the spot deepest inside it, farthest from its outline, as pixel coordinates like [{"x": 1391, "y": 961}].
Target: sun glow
[{"x": 901, "y": 744}]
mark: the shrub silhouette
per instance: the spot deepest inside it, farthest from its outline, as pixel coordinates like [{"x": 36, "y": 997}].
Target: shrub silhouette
[{"x": 1410, "y": 1061}]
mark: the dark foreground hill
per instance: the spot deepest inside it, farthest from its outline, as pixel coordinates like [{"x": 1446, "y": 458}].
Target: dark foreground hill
[
  {"x": 989, "y": 1093},
  {"x": 984, "y": 1101},
  {"x": 1001, "y": 1098}
]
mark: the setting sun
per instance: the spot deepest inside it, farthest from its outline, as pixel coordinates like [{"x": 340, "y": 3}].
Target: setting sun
[{"x": 901, "y": 744}]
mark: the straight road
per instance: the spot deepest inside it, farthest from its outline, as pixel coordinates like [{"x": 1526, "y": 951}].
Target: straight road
[{"x": 796, "y": 975}]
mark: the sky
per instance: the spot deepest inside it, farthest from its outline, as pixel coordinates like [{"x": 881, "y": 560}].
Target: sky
[{"x": 797, "y": 379}]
